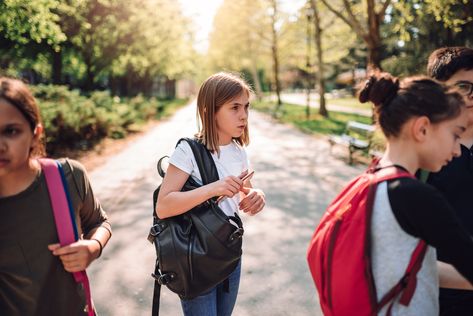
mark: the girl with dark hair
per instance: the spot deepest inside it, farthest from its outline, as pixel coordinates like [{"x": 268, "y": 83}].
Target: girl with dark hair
[
  {"x": 422, "y": 122},
  {"x": 35, "y": 271}
]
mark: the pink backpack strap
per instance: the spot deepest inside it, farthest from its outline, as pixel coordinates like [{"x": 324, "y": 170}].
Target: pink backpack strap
[{"x": 63, "y": 220}]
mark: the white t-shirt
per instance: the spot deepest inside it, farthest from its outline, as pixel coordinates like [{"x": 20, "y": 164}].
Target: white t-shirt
[{"x": 233, "y": 161}]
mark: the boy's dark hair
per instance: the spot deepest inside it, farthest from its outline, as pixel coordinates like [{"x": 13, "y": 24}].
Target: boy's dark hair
[
  {"x": 395, "y": 101},
  {"x": 446, "y": 61}
]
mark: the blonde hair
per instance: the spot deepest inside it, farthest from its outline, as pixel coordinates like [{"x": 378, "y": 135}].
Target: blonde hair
[{"x": 217, "y": 90}]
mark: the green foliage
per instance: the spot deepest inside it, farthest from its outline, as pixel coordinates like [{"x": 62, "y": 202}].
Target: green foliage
[
  {"x": 415, "y": 28},
  {"x": 454, "y": 14},
  {"x": 90, "y": 42},
  {"x": 296, "y": 115},
  {"x": 33, "y": 20},
  {"x": 74, "y": 121}
]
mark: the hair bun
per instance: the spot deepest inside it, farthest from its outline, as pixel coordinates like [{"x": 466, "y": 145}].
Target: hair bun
[{"x": 380, "y": 89}]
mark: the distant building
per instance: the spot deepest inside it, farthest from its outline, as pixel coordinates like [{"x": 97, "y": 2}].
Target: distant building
[
  {"x": 185, "y": 88},
  {"x": 352, "y": 77}
]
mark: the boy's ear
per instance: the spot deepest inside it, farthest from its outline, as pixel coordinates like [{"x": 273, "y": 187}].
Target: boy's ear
[{"x": 420, "y": 128}]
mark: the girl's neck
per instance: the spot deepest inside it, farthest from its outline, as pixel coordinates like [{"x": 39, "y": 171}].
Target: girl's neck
[
  {"x": 19, "y": 179},
  {"x": 396, "y": 154},
  {"x": 222, "y": 141}
]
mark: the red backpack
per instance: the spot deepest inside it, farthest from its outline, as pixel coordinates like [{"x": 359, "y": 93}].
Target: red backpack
[{"x": 339, "y": 253}]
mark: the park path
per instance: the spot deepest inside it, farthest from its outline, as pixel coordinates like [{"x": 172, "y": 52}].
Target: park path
[{"x": 299, "y": 178}]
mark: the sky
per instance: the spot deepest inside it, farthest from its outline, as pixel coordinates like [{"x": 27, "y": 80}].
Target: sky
[{"x": 203, "y": 11}]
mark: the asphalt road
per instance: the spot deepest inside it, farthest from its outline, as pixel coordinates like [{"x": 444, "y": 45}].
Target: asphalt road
[{"x": 294, "y": 169}]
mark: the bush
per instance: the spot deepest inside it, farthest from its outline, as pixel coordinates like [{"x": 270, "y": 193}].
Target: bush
[{"x": 73, "y": 121}]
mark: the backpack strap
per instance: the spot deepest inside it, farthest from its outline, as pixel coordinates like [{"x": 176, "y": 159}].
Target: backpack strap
[
  {"x": 408, "y": 282},
  {"x": 64, "y": 217},
  {"x": 208, "y": 172},
  {"x": 156, "y": 291},
  {"x": 205, "y": 163}
]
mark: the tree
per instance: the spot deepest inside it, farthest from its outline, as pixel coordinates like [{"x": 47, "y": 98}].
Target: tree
[
  {"x": 369, "y": 33},
  {"x": 320, "y": 60},
  {"x": 161, "y": 48},
  {"x": 28, "y": 29},
  {"x": 274, "y": 51},
  {"x": 414, "y": 29},
  {"x": 236, "y": 41},
  {"x": 30, "y": 21}
]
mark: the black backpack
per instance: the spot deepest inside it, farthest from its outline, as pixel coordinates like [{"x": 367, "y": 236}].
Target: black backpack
[{"x": 200, "y": 248}]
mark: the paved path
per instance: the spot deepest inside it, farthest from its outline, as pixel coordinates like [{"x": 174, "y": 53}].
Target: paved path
[
  {"x": 301, "y": 99},
  {"x": 299, "y": 179}
]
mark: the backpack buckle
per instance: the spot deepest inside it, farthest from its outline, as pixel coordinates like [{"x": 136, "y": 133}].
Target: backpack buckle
[
  {"x": 164, "y": 279},
  {"x": 237, "y": 234},
  {"x": 154, "y": 231}
]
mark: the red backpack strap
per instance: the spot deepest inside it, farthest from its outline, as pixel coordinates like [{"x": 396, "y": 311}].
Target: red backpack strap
[
  {"x": 408, "y": 282},
  {"x": 62, "y": 218}
]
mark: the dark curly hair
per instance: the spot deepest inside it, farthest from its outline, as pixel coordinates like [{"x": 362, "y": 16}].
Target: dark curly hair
[
  {"x": 446, "y": 61},
  {"x": 395, "y": 101}
]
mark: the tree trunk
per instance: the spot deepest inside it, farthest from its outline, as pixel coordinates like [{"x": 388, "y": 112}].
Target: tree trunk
[
  {"x": 371, "y": 36},
  {"x": 374, "y": 56},
  {"x": 276, "y": 76},
  {"x": 274, "y": 51},
  {"x": 56, "y": 67},
  {"x": 320, "y": 60},
  {"x": 170, "y": 86},
  {"x": 308, "y": 64},
  {"x": 254, "y": 74},
  {"x": 373, "y": 40},
  {"x": 89, "y": 85},
  {"x": 254, "y": 69}
]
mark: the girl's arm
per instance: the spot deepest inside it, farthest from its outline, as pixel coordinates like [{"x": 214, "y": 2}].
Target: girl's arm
[
  {"x": 450, "y": 278},
  {"x": 93, "y": 221},
  {"x": 172, "y": 202},
  {"x": 423, "y": 212}
]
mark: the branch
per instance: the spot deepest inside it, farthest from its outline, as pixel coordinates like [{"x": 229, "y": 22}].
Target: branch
[
  {"x": 381, "y": 12},
  {"x": 357, "y": 27},
  {"x": 385, "y": 6},
  {"x": 338, "y": 14}
]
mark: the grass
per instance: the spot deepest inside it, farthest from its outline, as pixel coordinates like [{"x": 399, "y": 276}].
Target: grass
[
  {"x": 350, "y": 102},
  {"x": 296, "y": 115}
]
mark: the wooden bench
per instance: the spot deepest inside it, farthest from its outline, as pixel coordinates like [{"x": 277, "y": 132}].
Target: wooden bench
[{"x": 356, "y": 137}]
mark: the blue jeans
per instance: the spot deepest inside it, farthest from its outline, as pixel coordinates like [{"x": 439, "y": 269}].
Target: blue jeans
[{"x": 216, "y": 302}]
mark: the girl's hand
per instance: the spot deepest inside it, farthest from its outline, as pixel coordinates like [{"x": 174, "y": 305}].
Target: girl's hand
[
  {"x": 228, "y": 186},
  {"x": 76, "y": 256},
  {"x": 253, "y": 202}
]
